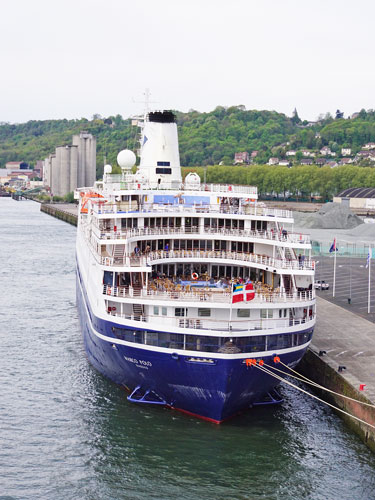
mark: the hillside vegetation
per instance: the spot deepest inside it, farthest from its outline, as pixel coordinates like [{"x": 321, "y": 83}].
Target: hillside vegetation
[{"x": 213, "y": 138}]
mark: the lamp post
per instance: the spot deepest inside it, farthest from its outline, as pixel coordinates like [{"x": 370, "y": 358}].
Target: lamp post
[{"x": 350, "y": 276}]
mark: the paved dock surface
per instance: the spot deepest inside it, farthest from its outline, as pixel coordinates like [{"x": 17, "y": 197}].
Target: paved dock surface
[
  {"x": 351, "y": 282},
  {"x": 349, "y": 340}
]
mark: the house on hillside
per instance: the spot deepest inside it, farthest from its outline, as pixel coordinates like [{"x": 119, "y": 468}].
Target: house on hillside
[
  {"x": 291, "y": 153},
  {"x": 326, "y": 151},
  {"x": 346, "y": 151},
  {"x": 273, "y": 161},
  {"x": 240, "y": 158},
  {"x": 308, "y": 153},
  {"x": 306, "y": 161},
  {"x": 369, "y": 145},
  {"x": 284, "y": 163},
  {"x": 320, "y": 161},
  {"x": 346, "y": 161}
]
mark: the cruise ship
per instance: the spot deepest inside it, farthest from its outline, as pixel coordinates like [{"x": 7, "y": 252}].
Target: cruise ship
[{"x": 187, "y": 290}]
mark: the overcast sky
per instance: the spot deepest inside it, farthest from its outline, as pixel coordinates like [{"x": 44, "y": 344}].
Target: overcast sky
[{"x": 74, "y": 58}]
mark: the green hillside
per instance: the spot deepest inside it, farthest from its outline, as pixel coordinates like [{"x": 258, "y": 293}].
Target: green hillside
[{"x": 205, "y": 138}]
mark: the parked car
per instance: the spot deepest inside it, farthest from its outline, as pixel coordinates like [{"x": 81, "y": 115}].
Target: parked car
[{"x": 321, "y": 285}]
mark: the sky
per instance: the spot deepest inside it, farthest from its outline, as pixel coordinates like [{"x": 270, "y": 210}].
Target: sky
[{"x": 76, "y": 58}]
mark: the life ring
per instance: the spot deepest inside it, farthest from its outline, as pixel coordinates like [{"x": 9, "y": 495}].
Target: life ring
[
  {"x": 195, "y": 276},
  {"x": 109, "y": 290},
  {"x": 230, "y": 188},
  {"x": 113, "y": 309}
]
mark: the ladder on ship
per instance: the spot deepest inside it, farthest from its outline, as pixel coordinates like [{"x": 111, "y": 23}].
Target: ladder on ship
[
  {"x": 138, "y": 312},
  {"x": 118, "y": 253}
]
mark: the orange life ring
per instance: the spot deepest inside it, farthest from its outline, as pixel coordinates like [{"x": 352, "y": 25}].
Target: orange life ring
[{"x": 195, "y": 276}]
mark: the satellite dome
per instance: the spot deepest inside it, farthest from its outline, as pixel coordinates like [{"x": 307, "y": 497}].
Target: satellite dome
[
  {"x": 126, "y": 158},
  {"x": 107, "y": 169},
  {"x": 192, "y": 181}
]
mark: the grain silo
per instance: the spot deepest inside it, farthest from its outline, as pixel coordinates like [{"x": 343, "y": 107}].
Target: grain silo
[{"x": 86, "y": 143}]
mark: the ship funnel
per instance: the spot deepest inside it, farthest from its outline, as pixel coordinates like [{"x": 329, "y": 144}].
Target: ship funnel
[{"x": 160, "y": 158}]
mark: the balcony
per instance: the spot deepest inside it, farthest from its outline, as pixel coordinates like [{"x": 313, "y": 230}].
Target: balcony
[
  {"x": 103, "y": 208},
  {"x": 161, "y": 292},
  {"x": 295, "y": 238},
  {"x": 162, "y": 256}
]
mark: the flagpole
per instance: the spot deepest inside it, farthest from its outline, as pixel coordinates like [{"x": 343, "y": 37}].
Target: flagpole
[
  {"x": 334, "y": 268},
  {"x": 369, "y": 280},
  {"x": 231, "y": 305}
]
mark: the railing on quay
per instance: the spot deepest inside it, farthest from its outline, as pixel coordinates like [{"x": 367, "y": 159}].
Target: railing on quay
[
  {"x": 147, "y": 259},
  {"x": 298, "y": 238},
  {"x": 206, "y": 295}
]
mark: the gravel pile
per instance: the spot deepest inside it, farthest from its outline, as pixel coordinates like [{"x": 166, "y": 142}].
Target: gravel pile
[{"x": 330, "y": 216}]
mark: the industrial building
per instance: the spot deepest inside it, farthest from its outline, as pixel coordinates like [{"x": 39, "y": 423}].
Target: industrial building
[
  {"x": 71, "y": 166},
  {"x": 357, "y": 198}
]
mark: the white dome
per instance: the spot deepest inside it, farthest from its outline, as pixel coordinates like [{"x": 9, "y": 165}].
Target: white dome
[
  {"x": 107, "y": 169},
  {"x": 192, "y": 179},
  {"x": 126, "y": 158}
]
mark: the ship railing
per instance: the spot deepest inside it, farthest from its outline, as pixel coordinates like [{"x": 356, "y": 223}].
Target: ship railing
[
  {"x": 103, "y": 234},
  {"x": 205, "y": 294},
  {"x": 132, "y": 184},
  {"x": 100, "y": 207},
  {"x": 192, "y": 323},
  {"x": 163, "y": 255}
]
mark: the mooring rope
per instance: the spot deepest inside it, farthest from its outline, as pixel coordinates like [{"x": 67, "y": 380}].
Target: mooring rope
[
  {"x": 265, "y": 370},
  {"x": 306, "y": 380}
]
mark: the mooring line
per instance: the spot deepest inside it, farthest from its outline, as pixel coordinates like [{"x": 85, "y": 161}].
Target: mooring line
[
  {"x": 305, "y": 380},
  {"x": 265, "y": 370}
]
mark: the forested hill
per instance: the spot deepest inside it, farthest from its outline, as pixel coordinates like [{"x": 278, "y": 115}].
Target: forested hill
[{"x": 205, "y": 138}]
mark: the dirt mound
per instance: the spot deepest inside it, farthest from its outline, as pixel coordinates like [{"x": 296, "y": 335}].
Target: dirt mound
[{"x": 330, "y": 216}]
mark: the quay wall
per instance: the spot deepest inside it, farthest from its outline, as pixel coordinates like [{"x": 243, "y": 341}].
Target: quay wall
[
  {"x": 321, "y": 370},
  {"x": 60, "y": 213}
]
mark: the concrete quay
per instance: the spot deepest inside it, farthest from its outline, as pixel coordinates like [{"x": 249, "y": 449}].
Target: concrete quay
[
  {"x": 348, "y": 341},
  {"x": 67, "y": 212}
]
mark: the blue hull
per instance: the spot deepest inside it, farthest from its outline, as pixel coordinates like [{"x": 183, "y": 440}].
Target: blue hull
[{"x": 215, "y": 391}]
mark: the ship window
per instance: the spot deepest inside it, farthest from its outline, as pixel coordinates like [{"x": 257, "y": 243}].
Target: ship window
[
  {"x": 243, "y": 313},
  {"x": 163, "y": 163},
  {"x": 263, "y": 313},
  {"x": 164, "y": 311},
  {"x": 156, "y": 310},
  {"x": 204, "y": 312},
  {"x": 163, "y": 170},
  {"x": 179, "y": 311}
]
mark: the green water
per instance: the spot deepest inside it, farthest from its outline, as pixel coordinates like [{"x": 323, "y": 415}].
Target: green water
[{"x": 68, "y": 433}]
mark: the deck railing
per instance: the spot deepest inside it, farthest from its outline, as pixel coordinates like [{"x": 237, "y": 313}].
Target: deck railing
[
  {"x": 243, "y": 326},
  {"x": 163, "y": 255},
  {"x": 298, "y": 238},
  {"x": 101, "y": 207},
  {"x": 206, "y": 295}
]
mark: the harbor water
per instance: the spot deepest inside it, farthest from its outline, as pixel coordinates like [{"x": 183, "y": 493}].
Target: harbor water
[{"x": 68, "y": 433}]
